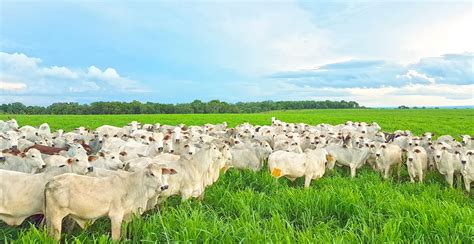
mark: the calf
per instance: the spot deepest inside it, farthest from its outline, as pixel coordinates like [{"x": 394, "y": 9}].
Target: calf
[
  {"x": 448, "y": 164},
  {"x": 467, "y": 161},
  {"x": 417, "y": 163},
  {"x": 387, "y": 156}
]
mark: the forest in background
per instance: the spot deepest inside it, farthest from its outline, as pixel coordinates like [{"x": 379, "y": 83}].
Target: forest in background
[{"x": 195, "y": 107}]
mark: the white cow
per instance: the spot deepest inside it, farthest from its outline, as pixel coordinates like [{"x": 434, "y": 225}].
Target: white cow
[
  {"x": 311, "y": 164},
  {"x": 386, "y": 156},
  {"x": 417, "y": 163},
  {"x": 448, "y": 164},
  {"x": 190, "y": 181},
  {"x": 250, "y": 156},
  {"x": 467, "y": 161},
  {"x": 28, "y": 162},
  {"x": 86, "y": 198},
  {"x": 22, "y": 194},
  {"x": 110, "y": 161},
  {"x": 354, "y": 158},
  {"x": 8, "y": 125}
]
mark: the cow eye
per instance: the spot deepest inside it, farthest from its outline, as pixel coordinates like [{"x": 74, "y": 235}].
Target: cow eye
[
  {"x": 113, "y": 157},
  {"x": 32, "y": 156}
]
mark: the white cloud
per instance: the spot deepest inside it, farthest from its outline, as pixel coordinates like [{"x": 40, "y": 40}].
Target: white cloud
[
  {"x": 18, "y": 62},
  {"x": 111, "y": 76},
  {"x": 12, "y": 86},
  {"x": 22, "y": 76},
  {"x": 60, "y": 72}
]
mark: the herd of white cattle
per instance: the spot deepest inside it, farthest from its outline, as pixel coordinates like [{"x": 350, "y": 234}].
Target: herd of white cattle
[{"x": 123, "y": 171}]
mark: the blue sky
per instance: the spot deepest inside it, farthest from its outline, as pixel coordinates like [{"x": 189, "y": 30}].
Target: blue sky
[{"x": 378, "y": 53}]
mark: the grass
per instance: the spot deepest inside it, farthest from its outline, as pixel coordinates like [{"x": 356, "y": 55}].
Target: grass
[{"x": 244, "y": 206}]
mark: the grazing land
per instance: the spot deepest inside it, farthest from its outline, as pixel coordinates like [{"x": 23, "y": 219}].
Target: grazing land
[{"x": 253, "y": 207}]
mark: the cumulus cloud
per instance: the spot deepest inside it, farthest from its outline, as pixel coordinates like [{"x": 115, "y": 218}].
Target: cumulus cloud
[
  {"x": 59, "y": 72},
  {"x": 111, "y": 76},
  {"x": 38, "y": 79}
]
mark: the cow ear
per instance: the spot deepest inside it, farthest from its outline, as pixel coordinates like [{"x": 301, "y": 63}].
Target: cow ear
[
  {"x": 444, "y": 148},
  {"x": 123, "y": 153},
  {"x": 404, "y": 150},
  {"x": 69, "y": 160},
  {"x": 186, "y": 146},
  {"x": 469, "y": 153},
  {"x": 456, "y": 152},
  {"x": 92, "y": 158},
  {"x": 417, "y": 150},
  {"x": 168, "y": 171}
]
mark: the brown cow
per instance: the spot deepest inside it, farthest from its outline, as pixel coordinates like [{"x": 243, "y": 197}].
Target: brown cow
[{"x": 48, "y": 150}]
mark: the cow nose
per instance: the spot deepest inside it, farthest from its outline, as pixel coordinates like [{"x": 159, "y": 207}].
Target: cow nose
[
  {"x": 430, "y": 143},
  {"x": 15, "y": 146},
  {"x": 438, "y": 156},
  {"x": 2, "y": 158},
  {"x": 410, "y": 159},
  {"x": 377, "y": 154},
  {"x": 90, "y": 169},
  {"x": 190, "y": 153},
  {"x": 100, "y": 141},
  {"x": 363, "y": 132},
  {"x": 164, "y": 187},
  {"x": 463, "y": 161},
  {"x": 160, "y": 149},
  {"x": 171, "y": 151},
  {"x": 410, "y": 143},
  {"x": 43, "y": 166}
]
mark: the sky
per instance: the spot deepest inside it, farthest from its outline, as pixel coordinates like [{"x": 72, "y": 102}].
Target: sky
[{"x": 378, "y": 53}]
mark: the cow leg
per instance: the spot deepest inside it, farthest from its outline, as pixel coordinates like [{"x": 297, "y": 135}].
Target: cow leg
[
  {"x": 458, "y": 180},
  {"x": 55, "y": 224},
  {"x": 449, "y": 179},
  {"x": 116, "y": 221},
  {"x": 399, "y": 168},
  {"x": 386, "y": 173},
  {"x": 412, "y": 176},
  {"x": 353, "y": 170},
  {"x": 467, "y": 184},
  {"x": 307, "y": 180},
  {"x": 420, "y": 175}
]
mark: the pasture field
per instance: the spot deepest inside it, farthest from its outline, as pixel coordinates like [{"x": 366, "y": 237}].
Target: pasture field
[{"x": 243, "y": 206}]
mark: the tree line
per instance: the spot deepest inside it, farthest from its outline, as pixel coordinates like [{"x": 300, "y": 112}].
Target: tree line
[{"x": 195, "y": 107}]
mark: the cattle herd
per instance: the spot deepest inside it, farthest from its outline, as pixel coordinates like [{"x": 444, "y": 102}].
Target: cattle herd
[{"x": 118, "y": 172}]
